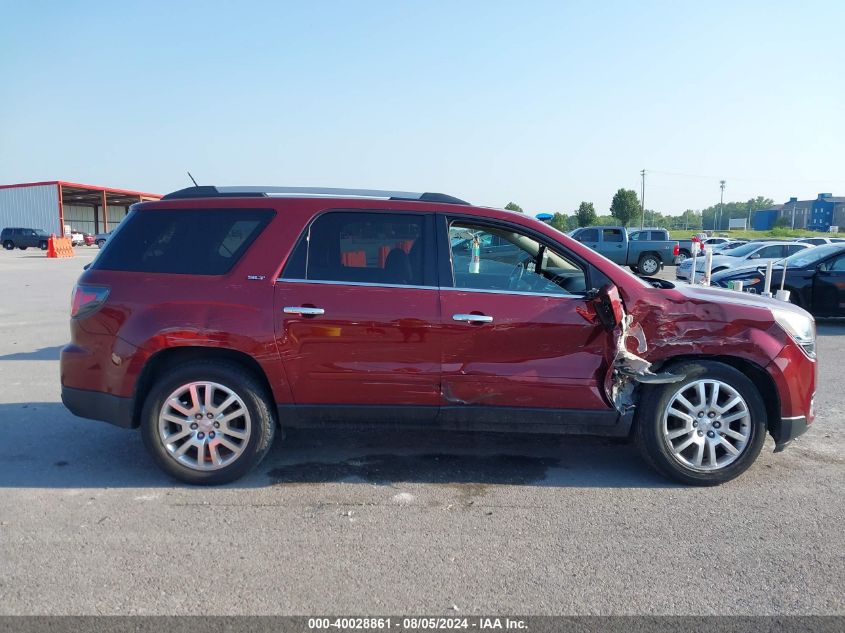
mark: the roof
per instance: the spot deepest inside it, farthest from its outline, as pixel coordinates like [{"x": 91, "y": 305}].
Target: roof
[
  {"x": 207, "y": 191},
  {"x": 76, "y": 185}
]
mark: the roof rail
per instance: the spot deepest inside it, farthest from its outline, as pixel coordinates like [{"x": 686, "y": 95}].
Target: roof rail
[{"x": 208, "y": 191}]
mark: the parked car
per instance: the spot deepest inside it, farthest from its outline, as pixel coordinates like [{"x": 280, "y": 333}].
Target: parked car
[
  {"x": 815, "y": 279},
  {"x": 12, "y": 238},
  {"x": 685, "y": 247},
  {"x": 728, "y": 246},
  {"x": 101, "y": 238},
  {"x": 88, "y": 238},
  {"x": 644, "y": 257},
  {"x": 210, "y": 319},
  {"x": 818, "y": 241},
  {"x": 753, "y": 252},
  {"x": 77, "y": 238}
]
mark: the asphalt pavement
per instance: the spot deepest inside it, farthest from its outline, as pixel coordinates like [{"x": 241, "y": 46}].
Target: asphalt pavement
[{"x": 394, "y": 523}]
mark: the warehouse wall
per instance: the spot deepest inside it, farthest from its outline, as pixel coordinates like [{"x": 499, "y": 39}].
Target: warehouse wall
[
  {"x": 81, "y": 218},
  {"x": 31, "y": 208}
]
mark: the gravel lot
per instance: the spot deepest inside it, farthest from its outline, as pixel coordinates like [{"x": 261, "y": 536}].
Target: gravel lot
[{"x": 393, "y": 523}]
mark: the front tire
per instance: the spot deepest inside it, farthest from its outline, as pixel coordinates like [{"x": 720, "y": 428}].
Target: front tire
[
  {"x": 42, "y": 246},
  {"x": 705, "y": 430},
  {"x": 207, "y": 422},
  {"x": 23, "y": 248},
  {"x": 100, "y": 243}
]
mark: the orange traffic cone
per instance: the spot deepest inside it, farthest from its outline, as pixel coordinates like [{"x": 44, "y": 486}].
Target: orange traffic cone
[{"x": 51, "y": 246}]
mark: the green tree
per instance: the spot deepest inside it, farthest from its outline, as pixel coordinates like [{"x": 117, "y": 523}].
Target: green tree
[
  {"x": 560, "y": 222},
  {"x": 625, "y": 206},
  {"x": 586, "y": 214},
  {"x": 513, "y": 206}
]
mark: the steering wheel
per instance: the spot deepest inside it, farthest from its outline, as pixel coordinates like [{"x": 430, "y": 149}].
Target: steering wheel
[{"x": 517, "y": 273}]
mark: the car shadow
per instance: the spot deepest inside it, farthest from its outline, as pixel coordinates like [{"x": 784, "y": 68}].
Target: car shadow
[
  {"x": 45, "y": 353},
  {"x": 45, "y": 446}
]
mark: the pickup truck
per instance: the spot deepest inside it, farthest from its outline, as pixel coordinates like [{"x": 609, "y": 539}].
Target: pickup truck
[
  {"x": 645, "y": 257},
  {"x": 684, "y": 246}
]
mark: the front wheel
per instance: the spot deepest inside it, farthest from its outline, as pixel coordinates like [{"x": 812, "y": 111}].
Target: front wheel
[
  {"x": 634, "y": 270},
  {"x": 9, "y": 245},
  {"x": 42, "y": 246},
  {"x": 705, "y": 430},
  {"x": 100, "y": 243},
  {"x": 649, "y": 265},
  {"x": 207, "y": 422}
]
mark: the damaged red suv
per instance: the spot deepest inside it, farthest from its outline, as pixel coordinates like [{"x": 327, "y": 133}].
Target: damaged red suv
[{"x": 215, "y": 315}]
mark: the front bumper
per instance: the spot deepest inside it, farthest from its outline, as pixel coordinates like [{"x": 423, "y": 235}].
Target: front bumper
[
  {"x": 97, "y": 405},
  {"x": 785, "y": 430}
]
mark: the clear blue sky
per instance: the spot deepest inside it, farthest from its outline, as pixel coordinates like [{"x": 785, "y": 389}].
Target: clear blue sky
[{"x": 543, "y": 103}]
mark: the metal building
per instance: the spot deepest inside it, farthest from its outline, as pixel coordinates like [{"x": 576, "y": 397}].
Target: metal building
[{"x": 56, "y": 204}]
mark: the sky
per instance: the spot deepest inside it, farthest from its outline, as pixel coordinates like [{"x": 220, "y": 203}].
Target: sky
[{"x": 543, "y": 103}]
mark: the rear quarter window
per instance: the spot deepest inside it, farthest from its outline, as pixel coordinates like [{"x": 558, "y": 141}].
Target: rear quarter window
[{"x": 185, "y": 241}]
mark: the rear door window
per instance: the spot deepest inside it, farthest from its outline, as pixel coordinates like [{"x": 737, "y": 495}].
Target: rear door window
[
  {"x": 612, "y": 235},
  {"x": 365, "y": 248},
  {"x": 188, "y": 242}
]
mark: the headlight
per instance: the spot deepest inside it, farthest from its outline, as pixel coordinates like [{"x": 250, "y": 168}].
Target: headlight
[{"x": 800, "y": 327}]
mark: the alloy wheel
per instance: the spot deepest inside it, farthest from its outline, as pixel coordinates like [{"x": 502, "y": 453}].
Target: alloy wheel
[
  {"x": 204, "y": 425},
  {"x": 706, "y": 425}
]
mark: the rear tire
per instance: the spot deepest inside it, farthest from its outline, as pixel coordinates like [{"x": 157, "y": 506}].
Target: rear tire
[
  {"x": 649, "y": 265},
  {"x": 100, "y": 243},
  {"x": 9, "y": 245},
  {"x": 207, "y": 445},
  {"x": 680, "y": 447},
  {"x": 634, "y": 270},
  {"x": 23, "y": 248}
]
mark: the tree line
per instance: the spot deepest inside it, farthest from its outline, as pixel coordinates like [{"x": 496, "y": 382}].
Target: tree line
[{"x": 625, "y": 210}]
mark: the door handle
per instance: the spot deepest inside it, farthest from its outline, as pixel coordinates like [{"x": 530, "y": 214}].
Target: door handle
[
  {"x": 303, "y": 311},
  {"x": 472, "y": 318}
]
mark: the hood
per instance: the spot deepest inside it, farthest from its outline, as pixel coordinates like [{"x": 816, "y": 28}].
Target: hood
[{"x": 725, "y": 297}]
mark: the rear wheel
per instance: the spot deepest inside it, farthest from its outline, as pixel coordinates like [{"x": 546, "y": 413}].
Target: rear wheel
[
  {"x": 9, "y": 245},
  {"x": 23, "y": 248},
  {"x": 649, "y": 265},
  {"x": 207, "y": 422},
  {"x": 100, "y": 243},
  {"x": 634, "y": 270},
  {"x": 705, "y": 430}
]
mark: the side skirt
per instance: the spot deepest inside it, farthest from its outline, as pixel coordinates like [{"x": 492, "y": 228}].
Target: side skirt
[{"x": 459, "y": 418}]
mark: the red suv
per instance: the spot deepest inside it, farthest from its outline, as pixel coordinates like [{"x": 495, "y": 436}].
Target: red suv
[{"x": 215, "y": 315}]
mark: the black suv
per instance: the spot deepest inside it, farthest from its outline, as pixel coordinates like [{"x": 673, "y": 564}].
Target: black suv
[{"x": 24, "y": 238}]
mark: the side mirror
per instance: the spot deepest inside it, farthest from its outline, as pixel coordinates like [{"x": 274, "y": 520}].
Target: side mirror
[
  {"x": 608, "y": 306},
  {"x": 755, "y": 256}
]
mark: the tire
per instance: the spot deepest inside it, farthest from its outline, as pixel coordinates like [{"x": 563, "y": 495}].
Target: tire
[
  {"x": 634, "y": 270},
  {"x": 683, "y": 254},
  {"x": 649, "y": 265},
  {"x": 654, "y": 425},
  {"x": 23, "y": 248},
  {"x": 100, "y": 243},
  {"x": 9, "y": 245},
  {"x": 252, "y": 431},
  {"x": 42, "y": 246}
]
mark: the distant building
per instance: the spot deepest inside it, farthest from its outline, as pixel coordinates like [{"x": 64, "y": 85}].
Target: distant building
[{"x": 814, "y": 215}]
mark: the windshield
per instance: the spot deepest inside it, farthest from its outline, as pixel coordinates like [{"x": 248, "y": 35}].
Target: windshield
[
  {"x": 811, "y": 256},
  {"x": 742, "y": 251}
]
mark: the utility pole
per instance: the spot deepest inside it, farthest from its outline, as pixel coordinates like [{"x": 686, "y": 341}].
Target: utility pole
[
  {"x": 642, "y": 202},
  {"x": 721, "y": 199}
]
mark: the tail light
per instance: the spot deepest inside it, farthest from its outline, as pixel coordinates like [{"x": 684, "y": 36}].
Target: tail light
[
  {"x": 676, "y": 251},
  {"x": 86, "y": 300}
]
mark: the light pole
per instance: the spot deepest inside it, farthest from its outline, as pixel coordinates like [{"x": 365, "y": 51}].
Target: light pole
[
  {"x": 642, "y": 202},
  {"x": 721, "y": 199}
]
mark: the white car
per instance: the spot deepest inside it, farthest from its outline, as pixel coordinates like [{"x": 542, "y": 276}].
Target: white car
[
  {"x": 77, "y": 238},
  {"x": 752, "y": 253}
]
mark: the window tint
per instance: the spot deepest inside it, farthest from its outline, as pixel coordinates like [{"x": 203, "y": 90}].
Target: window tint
[
  {"x": 379, "y": 248},
  {"x": 795, "y": 248},
  {"x": 837, "y": 264},
  {"x": 519, "y": 263},
  {"x": 776, "y": 250},
  {"x": 588, "y": 235},
  {"x": 195, "y": 241},
  {"x": 612, "y": 235}
]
